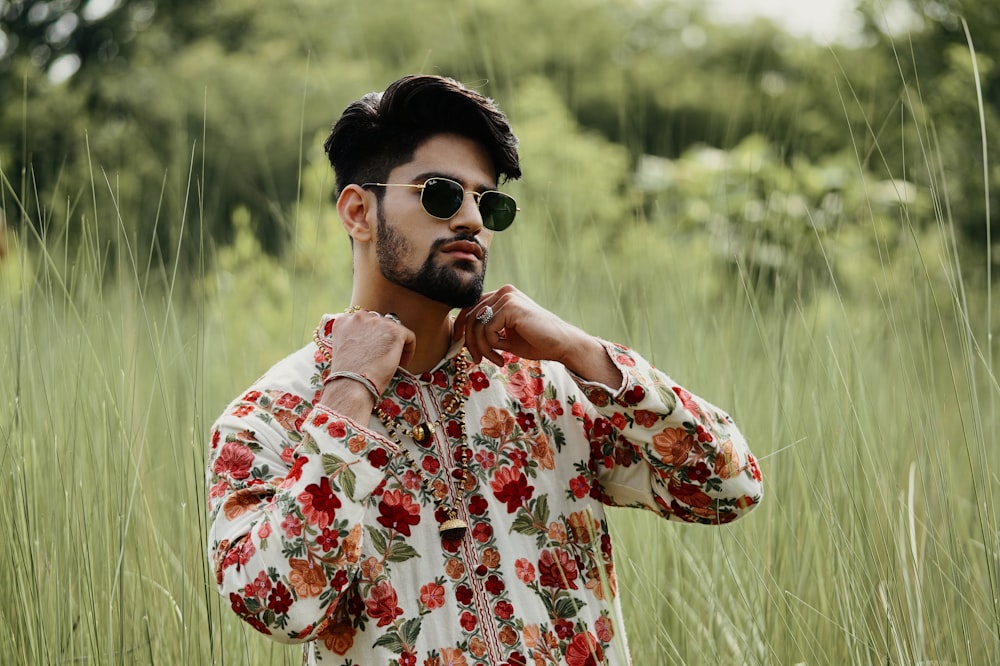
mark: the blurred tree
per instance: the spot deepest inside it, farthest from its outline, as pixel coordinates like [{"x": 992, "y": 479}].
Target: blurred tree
[
  {"x": 939, "y": 95},
  {"x": 195, "y": 116}
]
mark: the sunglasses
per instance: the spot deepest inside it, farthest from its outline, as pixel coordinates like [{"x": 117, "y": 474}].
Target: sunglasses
[{"x": 442, "y": 198}]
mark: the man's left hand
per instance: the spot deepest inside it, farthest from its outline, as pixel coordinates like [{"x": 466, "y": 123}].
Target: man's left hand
[{"x": 506, "y": 320}]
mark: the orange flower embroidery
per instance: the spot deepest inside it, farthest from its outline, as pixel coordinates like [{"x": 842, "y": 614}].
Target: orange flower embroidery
[
  {"x": 497, "y": 423},
  {"x": 726, "y": 464},
  {"x": 673, "y": 445},
  {"x": 308, "y": 580},
  {"x": 239, "y": 503}
]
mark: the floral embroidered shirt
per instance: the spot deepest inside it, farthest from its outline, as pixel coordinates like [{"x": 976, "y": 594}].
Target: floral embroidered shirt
[{"x": 322, "y": 531}]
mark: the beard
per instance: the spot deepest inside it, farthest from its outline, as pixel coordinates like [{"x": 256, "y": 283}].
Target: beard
[{"x": 455, "y": 285}]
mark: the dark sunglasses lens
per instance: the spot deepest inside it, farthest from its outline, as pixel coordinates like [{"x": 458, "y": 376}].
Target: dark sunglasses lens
[
  {"x": 442, "y": 198},
  {"x": 498, "y": 210}
]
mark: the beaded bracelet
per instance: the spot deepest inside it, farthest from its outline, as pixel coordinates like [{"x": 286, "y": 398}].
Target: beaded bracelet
[{"x": 358, "y": 377}]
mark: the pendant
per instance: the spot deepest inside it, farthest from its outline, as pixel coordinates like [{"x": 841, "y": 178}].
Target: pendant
[
  {"x": 421, "y": 432},
  {"x": 453, "y": 529}
]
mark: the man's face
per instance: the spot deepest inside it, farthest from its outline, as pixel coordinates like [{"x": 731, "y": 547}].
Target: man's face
[{"x": 443, "y": 260}]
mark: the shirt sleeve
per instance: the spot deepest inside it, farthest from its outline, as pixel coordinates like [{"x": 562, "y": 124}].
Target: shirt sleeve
[
  {"x": 655, "y": 445},
  {"x": 289, "y": 486}
]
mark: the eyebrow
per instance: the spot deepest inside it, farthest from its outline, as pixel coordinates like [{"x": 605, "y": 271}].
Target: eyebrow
[{"x": 422, "y": 177}]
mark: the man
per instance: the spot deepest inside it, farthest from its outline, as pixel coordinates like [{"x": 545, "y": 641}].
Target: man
[{"x": 412, "y": 488}]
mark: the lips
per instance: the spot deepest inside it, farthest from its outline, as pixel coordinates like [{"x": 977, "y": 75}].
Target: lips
[{"x": 467, "y": 250}]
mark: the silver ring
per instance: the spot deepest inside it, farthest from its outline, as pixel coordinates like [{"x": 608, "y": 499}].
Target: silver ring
[
  {"x": 392, "y": 317},
  {"x": 485, "y": 316}
]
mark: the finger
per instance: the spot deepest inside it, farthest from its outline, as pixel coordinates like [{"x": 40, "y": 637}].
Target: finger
[
  {"x": 458, "y": 326},
  {"x": 483, "y": 331},
  {"x": 409, "y": 347}
]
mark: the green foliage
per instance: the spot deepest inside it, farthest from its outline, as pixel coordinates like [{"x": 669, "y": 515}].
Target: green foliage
[{"x": 213, "y": 107}]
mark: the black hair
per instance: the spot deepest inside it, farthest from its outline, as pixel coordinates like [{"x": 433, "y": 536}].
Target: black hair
[{"x": 380, "y": 131}]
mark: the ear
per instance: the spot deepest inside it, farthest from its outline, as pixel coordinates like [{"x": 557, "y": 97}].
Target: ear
[{"x": 356, "y": 208}]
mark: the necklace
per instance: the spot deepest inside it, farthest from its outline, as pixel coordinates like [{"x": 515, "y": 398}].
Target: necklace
[{"x": 453, "y": 528}]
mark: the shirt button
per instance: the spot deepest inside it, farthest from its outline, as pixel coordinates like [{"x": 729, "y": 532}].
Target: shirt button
[{"x": 481, "y": 570}]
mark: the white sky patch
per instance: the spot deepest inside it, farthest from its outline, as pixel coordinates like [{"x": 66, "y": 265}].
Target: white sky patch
[
  {"x": 98, "y": 9},
  {"x": 63, "y": 67},
  {"x": 825, "y": 21}
]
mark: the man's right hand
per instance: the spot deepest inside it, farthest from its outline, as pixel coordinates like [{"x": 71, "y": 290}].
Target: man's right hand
[{"x": 368, "y": 344}]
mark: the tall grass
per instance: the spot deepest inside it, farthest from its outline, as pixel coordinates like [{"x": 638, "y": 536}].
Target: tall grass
[{"x": 873, "y": 414}]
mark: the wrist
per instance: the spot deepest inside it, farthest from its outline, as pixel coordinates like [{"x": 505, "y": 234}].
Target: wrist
[
  {"x": 348, "y": 396},
  {"x": 589, "y": 359}
]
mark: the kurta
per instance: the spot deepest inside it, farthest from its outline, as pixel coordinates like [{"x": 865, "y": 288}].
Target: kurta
[{"x": 322, "y": 531}]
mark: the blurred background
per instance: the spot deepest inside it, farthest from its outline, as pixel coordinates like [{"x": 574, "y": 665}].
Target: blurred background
[{"x": 789, "y": 207}]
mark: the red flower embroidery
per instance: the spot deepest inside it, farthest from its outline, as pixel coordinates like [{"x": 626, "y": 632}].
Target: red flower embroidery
[
  {"x": 690, "y": 494},
  {"x": 327, "y": 539},
  {"x": 494, "y": 585},
  {"x": 634, "y": 395},
  {"x": 406, "y": 390},
  {"x": 557, "y": 569},
  {"x": 234, "y": 460},
  {"x": 398, "y": 512},
  {"x": 645, "y": 418},
  {"x": 432, "y": 596},
  {"x": 280, "y": 599},
  {"x": 319, "y": 504},
  {"x": 464, "y": 595},
  {"x": 524, "y": 570},
  {"x": 511, "y": 486},
  {"x": 382, "y": 604},
  {"x": 477, "y": 505},
  {"x": 430, "y": 464},
  {"x": 378, "y": 457},
  {"x": 602, "y": 428},
  {"x": 524, "y": 388},
  {"x": 242, "y": 410},
  {"x": 553, "y": 409},
  {"x": 289, "y": 401},
  {"x": 504, "y": 610},
  {"x": 687, "y": 400},
  {"x": 479, "y": 380},
  {"x": 579, "y": 487},
  {"x": 700, "y": 473},
  {"x": 336, "y": 429},
  {"x": 584, "y": 650}
]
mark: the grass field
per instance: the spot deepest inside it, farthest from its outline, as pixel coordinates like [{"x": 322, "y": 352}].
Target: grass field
[{"x": 874, "y": 417}]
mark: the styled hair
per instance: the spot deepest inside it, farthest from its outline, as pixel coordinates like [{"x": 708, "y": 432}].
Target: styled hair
[{"x": 383, "y": 130}]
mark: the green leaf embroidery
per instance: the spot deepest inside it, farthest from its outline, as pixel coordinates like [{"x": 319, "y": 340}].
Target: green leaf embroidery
[
  {"x": 400, "y": 552},
  {"x": 567, "y": 607},
  {"x": 331, "y": 464},
  {"x": 667, "y": 396},
  {"x": 378, "y": 540},
  {"x": 390, "y": 640},
  {"x": 542, "y": 510},
  {"x": 524, "y": 524},
  {"x": 410, "y": 630}
]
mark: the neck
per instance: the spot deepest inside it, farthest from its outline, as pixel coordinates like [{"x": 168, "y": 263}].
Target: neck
[{"x": 429, "y": 321}]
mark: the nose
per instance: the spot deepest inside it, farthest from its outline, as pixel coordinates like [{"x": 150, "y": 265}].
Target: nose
[{"x": 468, "y": 218}]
